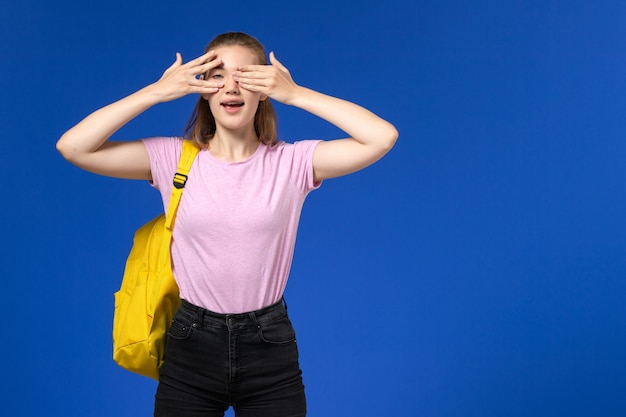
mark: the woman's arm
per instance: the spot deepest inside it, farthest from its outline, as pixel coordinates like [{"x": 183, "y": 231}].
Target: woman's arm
[
  {"x": 85, "y": 145},
  {"x": 371, "y": 136}
]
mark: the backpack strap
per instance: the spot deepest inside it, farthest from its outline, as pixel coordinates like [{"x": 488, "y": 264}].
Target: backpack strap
[{"x": 190, "y": 150}]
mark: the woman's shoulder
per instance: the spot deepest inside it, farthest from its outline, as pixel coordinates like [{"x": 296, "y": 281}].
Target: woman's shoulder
[
  {"x": 297, "y": 146},
  {"x": 298, "y": 153},
  {"x": 163, "y": 144},
  {"x": 164, "y": 140}
]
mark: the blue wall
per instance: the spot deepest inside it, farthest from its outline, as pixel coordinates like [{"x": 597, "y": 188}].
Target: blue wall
[{"x": 477, "y": 270}]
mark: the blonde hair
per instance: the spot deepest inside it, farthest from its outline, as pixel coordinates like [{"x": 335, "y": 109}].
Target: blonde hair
[{"x": 201, "y": 125}]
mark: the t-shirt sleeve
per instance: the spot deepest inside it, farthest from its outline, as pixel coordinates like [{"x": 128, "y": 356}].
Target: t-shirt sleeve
[
  {"x": 164, "y": 153},
  {"x": 303, "y": 159}
]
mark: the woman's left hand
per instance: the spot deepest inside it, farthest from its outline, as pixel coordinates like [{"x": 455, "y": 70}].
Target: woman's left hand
[{"x": 272, "y": 80}]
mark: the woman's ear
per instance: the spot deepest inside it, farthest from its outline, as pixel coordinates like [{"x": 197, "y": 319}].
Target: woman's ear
[{"x": 263, "y": 97}]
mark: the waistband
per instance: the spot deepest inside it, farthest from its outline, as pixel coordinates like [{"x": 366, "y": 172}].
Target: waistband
[{"x": 208, "y": 317}]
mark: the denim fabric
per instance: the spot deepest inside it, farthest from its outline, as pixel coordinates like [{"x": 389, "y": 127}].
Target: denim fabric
[{"x": 248, "y": 361}]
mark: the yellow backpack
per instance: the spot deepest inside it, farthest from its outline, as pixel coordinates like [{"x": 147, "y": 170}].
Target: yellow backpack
[{"x": 148, "y": 297}]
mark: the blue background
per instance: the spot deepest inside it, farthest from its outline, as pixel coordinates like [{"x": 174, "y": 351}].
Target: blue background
[{"x": 477, "y": 270}]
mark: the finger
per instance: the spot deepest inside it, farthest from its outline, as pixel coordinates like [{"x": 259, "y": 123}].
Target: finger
[
  {"x": 247, "y": 83},
  {"x": 177, "y": 62},
  {"x": 253, "y": 68},
  {"x": 256, "y": 83},
  {"x": 202, "y": 58},
  {"x": 253, "y": 85},
  {"x": 252, "y": 75},
  {"x": 216, "y": 62},
  {"x": 201, "y": 86},
  {"x": 201, "y": 82},
  {"x": 250, "y": 88},
  {"x": 276, "y": 62},
  {"x": 203, "y": 90},
  {"x": 203, "y": 71}
]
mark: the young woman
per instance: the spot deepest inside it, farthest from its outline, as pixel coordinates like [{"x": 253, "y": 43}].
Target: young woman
[{"x": 231, "y": 342}]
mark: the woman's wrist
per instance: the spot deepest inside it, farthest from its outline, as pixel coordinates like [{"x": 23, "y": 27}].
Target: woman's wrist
[
  {"x": 299, "y": 96},
  {"x": 151, "y": 95}
]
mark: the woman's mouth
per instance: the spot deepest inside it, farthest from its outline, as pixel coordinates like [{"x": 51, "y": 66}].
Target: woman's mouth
[{"x": 232, "y": 106}]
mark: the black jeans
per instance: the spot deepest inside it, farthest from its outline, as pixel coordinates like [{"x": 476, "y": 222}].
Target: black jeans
[{"x": 213, "y": 361}]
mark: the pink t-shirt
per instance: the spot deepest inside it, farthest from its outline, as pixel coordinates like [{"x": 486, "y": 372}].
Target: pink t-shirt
[{"x": 236, "y": 225}]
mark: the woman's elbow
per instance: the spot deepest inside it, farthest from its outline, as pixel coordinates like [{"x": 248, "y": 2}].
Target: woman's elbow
[
  {"x": 63, "y": 148},
  {"x": 390, "y": 136},
  {"x": 67, "y": 150}
]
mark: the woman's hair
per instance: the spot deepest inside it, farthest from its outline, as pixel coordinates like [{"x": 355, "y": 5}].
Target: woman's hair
[{"x": 201, "y": 125}]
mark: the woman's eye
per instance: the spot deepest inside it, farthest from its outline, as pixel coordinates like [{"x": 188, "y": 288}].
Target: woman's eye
[{"x": 216, "y": 76}]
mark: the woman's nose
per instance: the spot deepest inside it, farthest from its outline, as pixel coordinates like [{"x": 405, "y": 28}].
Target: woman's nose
[{"x": 231, "y": 85}]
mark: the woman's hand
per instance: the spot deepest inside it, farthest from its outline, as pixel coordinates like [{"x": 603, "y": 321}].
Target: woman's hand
[
  {"x": 272, "y": 80},
  {"x": 85, "y": 144},
  {"x": 182, "y": 79},
  {"x": 370, "y": 136}
]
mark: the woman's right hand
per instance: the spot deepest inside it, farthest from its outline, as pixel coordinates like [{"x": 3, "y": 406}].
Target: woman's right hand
[
  {"x": 86, "y": 144},
  {"x": 182, "y": 79}
]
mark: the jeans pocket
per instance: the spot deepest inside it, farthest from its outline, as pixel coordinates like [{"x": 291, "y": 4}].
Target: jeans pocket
[
  {"x": 180, "y": 329},
  {"x": 279, "y": 331}
]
